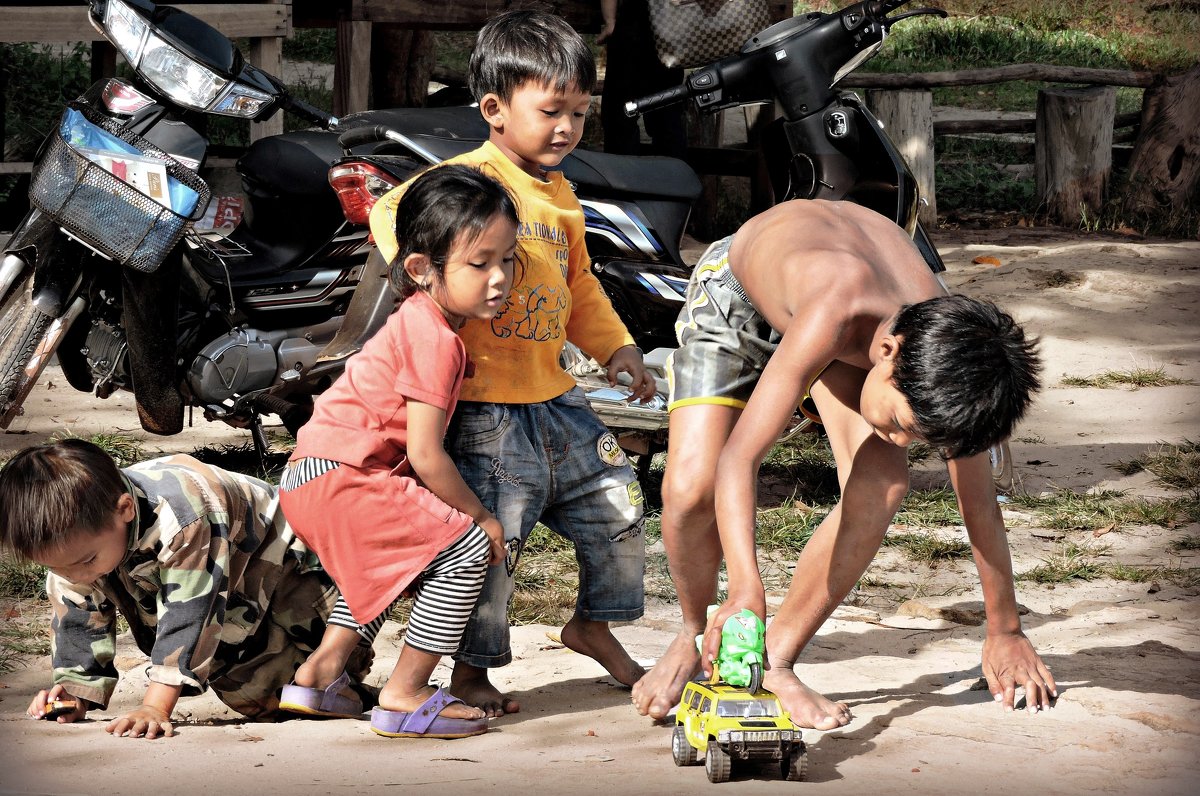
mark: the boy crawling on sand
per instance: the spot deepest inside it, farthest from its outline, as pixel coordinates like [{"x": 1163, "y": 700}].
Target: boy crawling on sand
[{"x": 201, "y": 563}]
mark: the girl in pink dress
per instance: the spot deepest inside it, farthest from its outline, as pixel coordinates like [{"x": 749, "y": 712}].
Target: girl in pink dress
[{"x": 370, "y": 487}]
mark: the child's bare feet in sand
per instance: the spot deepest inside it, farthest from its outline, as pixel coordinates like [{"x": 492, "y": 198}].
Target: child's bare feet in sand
[
  {"x": 595, "y": 640},
  {"x": 471, "y": 685},
  {"x": 658, "y": 691},
  {"x": 394, "y": 697},
  {"x": 807, "y": 708}
]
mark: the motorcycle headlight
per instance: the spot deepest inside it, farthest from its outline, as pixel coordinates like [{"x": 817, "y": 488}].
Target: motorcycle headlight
[
  {"x": 178, "y": 76},
  {"x": 125, "y": 29},
  {"x": 183, "y": 79}
]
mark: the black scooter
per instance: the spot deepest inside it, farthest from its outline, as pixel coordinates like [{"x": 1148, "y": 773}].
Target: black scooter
[{"x": 107, "y": 270}]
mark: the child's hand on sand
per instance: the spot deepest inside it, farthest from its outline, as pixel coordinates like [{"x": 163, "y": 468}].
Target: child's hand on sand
[
  {"x": 1010, "y": 662},
  {"x": 43, "y": 704},
  {"x": 145, "y": 721}
]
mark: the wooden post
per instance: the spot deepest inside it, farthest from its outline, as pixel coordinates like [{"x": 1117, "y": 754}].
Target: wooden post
[
  {"x": 402, "y": 61},
  {"x": 267, "y": 54},
  {"x": 1165, "y": 167},
  {"x": 352, "y": 70},
  {"x": 1073, "y": 161},
  {"x": 907, "y": 117}
]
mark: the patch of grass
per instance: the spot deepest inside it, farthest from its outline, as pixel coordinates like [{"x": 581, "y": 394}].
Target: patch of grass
[
  {"x": 807, "y": 462},
  {"x": 1072, "y": 562},
  {"x": 546, "y": 580},
  {"x": 20, "y": 637},
  {"x": 124, "y": 449},
  {"x": 1065, "y": 510},
  {"x": 928, "y": 547},
  {"x": 1176, "y": 466},
  {"x": 934, "y": 508},
  {"x": 20, "y": 580},
  {"x": 786, "y": 528},
  {"x": 1031, "y": 439},
  {"x": 1134, "y": 378},
  {"x": 244, "y": 459}
]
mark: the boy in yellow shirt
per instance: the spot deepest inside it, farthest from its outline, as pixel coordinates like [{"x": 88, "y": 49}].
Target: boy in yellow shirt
[{"x": 524, "y": 436}]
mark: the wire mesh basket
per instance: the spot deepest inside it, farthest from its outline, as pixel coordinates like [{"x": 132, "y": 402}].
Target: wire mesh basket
[{"x": 71, "y": 184}]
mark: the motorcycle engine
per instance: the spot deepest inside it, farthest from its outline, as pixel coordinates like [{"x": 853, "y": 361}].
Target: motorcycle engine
[
  {"x": 104, "y": 350},
  {"x": 232, "y": 365}
]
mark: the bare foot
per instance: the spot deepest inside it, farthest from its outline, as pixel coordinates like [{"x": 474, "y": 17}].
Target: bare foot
[
  {"x": 807, "y": 707},
  {"x": 392, "y": 697},
  {"x": 471, "y": 685},
  {"x": 327, "y": 662},
  {"x": 595, "y": 640},
  {"x": 659, "y": 690}
]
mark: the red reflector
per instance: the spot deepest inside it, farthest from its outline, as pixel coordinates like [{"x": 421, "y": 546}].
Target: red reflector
[
  {"x": 359, "y": 185},
  {"x": 120, "y": 97}
]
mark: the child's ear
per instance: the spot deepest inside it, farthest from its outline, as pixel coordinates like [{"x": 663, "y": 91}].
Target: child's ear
[
  {"x": 419, "y": 269},
  {"x": 492, "y": 109},
  {"x": 889, "y": 347},
  {"x": 126, "y": 507}
]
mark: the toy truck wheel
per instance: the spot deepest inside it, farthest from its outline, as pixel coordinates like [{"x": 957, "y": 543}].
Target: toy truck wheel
[
  {"x": 682, "y": 752},
  {"x": 756, "y": 675},
  {"x": 795, "y": 765},
  {"x": 717, "y": 763}
]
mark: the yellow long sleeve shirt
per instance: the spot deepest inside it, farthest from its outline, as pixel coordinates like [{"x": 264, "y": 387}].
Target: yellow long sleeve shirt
[{"x": 555, "y": 296}]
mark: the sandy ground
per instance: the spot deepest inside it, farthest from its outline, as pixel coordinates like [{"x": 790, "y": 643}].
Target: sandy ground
[{"x": 1125, "y": 654}]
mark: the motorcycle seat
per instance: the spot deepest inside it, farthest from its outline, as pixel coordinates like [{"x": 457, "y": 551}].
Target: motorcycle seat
[{"x": 451, "y": 131}]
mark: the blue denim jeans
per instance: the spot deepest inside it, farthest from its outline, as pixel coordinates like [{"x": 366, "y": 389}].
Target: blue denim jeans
[{"x": 556, "y": 463}]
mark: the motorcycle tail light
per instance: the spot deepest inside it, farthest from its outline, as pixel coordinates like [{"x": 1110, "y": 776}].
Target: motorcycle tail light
[{"x": 359, "y": 185}]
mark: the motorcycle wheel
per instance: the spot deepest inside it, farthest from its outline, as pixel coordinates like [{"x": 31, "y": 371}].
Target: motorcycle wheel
[
  {"x": 756, "y": 675},
  {"x": 21, "y": 329}
]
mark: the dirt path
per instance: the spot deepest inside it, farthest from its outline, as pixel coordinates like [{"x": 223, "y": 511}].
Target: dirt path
[{"x": 1125, "y": 654}]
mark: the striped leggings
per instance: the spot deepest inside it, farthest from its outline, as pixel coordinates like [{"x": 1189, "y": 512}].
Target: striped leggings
[{"x": 445, "y": 593}]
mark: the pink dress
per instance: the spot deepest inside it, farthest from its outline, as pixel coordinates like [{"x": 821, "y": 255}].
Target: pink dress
[{"x": 373, "y": 525}]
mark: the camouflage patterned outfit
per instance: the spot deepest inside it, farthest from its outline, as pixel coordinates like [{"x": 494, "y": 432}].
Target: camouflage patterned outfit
[{"x": 216, "y": 588}]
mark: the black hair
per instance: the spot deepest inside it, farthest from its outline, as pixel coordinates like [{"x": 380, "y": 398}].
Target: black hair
[
  {"x": 519, "y": 47},
  {"x": 50, "y": 493},
  {"x": 439, "y": 206},
  {"x": 967, "y": 370}
]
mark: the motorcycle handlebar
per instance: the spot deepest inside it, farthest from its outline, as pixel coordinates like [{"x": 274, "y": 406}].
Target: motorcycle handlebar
[
  {"x": 363, "y": 135},
  {"x": 310, "y": 112},
  {"x": 662, "y": 99}
]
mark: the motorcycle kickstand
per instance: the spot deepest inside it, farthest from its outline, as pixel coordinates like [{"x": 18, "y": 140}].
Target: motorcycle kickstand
[{"x": 261, "y": 446}]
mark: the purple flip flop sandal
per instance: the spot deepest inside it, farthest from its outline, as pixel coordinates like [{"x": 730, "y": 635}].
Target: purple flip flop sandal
[
  {"x": 426, "y": 721},
  {"x": 327, "y": 703}
]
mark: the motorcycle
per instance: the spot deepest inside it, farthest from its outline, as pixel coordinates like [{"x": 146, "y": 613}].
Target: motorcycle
[{"x": 108, "y": 272}]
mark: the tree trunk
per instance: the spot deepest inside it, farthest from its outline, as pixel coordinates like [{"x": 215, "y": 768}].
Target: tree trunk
[
  {"x": 907, "y": 118},
  {"x": 402, "y": 63},
  {"x": 1165, "y": 167},
  {"x": 1073, "y": 136}
]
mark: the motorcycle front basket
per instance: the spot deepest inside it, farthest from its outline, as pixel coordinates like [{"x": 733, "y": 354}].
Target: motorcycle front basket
[{"x": 104, "y": 192}]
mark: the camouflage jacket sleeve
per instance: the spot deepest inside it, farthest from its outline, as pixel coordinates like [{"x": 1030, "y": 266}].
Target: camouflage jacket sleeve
[{"x": 84, "y": 639}]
